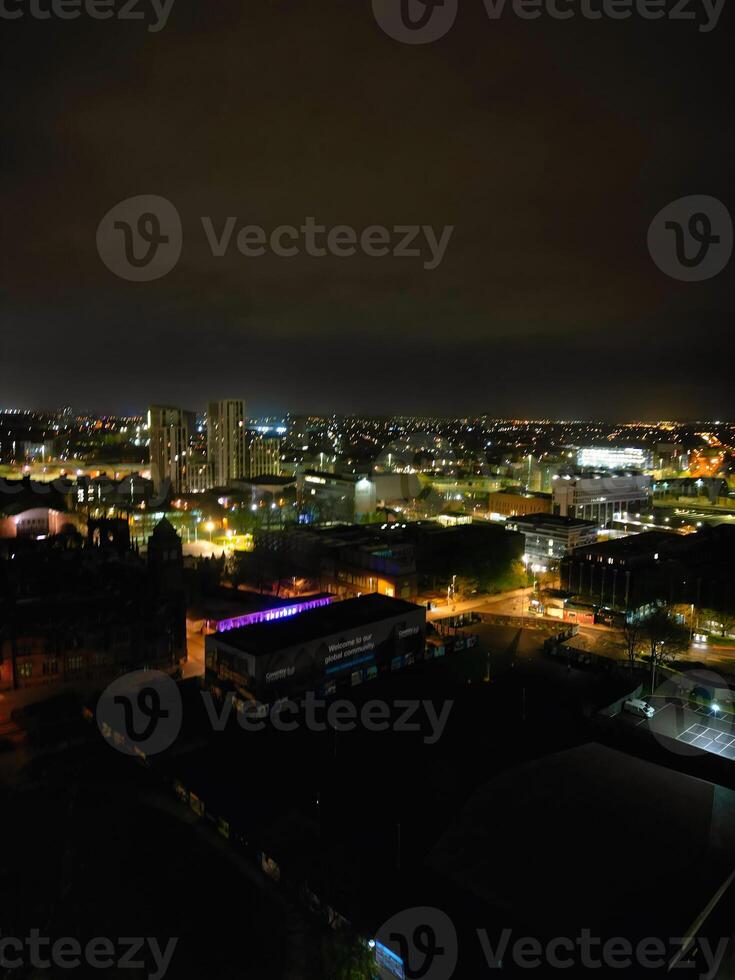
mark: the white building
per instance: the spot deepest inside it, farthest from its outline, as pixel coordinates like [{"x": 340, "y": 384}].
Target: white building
[
  {"x": 614, "y": 458},
  {"x": 263, "y": 454},
  {"x": 549, "y": 537},
  {"x": 601, "y": 499}
]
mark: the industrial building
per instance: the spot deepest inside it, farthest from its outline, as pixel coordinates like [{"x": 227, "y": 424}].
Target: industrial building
[{"x": 322, "y": 650}]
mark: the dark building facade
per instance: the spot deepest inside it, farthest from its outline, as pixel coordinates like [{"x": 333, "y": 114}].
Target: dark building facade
[
  {"x": 656, "y": 566},
  {"x": 398, "y": 560},
  {"x": 79, "y": 611},
  {"x": 322, "y": 650}
]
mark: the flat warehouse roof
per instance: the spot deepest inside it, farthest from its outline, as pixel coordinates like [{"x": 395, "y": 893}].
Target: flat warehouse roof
[
  {"x": 315, "y": 623},
  {"x": 553, "y": 520}
]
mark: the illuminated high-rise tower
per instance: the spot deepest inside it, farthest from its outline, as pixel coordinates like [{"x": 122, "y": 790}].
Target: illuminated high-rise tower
[
  {"x": 226, "y": 440},
  {"x": 169, "y": 430}
]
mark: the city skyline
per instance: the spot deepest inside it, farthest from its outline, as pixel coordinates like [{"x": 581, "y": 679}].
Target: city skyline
[{"x": 367, "y": 488}]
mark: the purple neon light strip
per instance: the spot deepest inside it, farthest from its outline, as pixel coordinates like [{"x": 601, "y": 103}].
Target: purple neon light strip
[{"x": 269, "y": 615}]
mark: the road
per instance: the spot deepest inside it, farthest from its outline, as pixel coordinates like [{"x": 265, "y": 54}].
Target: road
[
  {"x": 194, "y": 666},
  {"x": 605, "y": 640},
  {"x": 504, "y": 604}
]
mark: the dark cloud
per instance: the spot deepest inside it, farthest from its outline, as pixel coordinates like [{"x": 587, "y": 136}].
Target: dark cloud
[{"x": 548, "y": 145}]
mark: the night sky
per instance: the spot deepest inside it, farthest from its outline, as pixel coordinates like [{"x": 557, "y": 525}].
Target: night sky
[{"x": 548, "y": 145}]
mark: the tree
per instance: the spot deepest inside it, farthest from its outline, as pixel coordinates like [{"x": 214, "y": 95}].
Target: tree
[
  {"x": 723, "y": 622},
  {"x": 664, "y": 637},
  {"x": 632, "y": 637},
  {"x": 347, "y": 957}
]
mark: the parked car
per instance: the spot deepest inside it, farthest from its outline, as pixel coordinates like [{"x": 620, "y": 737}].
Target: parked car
[{"x": 638, "y": 707}]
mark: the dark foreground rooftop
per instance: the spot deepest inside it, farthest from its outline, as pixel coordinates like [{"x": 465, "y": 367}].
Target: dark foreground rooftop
[{"x": 592, "y": 837}]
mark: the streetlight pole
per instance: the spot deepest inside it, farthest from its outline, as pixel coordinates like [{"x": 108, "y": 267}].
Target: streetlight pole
[{"x": 691, "y": 626}]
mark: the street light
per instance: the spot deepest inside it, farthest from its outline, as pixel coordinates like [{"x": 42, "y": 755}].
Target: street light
[{"x": 691, "y": 626}]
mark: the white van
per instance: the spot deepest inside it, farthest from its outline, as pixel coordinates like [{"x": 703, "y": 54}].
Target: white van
[{"x": 638, "y": 707}]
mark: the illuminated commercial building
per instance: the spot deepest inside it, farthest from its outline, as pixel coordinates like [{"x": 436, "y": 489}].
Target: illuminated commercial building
[
  {"x": 549, "y": 537},
  {"x": 333, "y": 497},
  {"x": 325, "y": 650},
  {"x": 614, "y": 458}
]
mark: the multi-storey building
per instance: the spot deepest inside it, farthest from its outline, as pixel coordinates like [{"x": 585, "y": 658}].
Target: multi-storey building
[
  {"x": 226, "y": 442},
  {"x": 77, "y": 611},
  {"x": 656, "y": 566},
  {"x": 515, "y": 503},
  {"x": 334, "y": 497},
  {"x": 549, "y": 537},
  {"x": 614, "y": 458},
  {"x": 263, "y": 454},
  {"x": 169, "y": 431},
  {"x": 600, "y": 498}
]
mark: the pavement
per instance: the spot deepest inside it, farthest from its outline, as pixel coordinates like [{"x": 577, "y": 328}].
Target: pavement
[
  {"x": 698, "y": 728},
  {"x": 194, "y": 666}
]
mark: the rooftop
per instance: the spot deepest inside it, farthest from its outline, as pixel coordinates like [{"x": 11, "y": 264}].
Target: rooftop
[
  {"x": 638, "y": 545},
  {"x": 263, "y": 638},
  {"x": 555, "y": 843},
  {"x": 229, "y": 603},
  {"x": 553, "y": 520}
]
